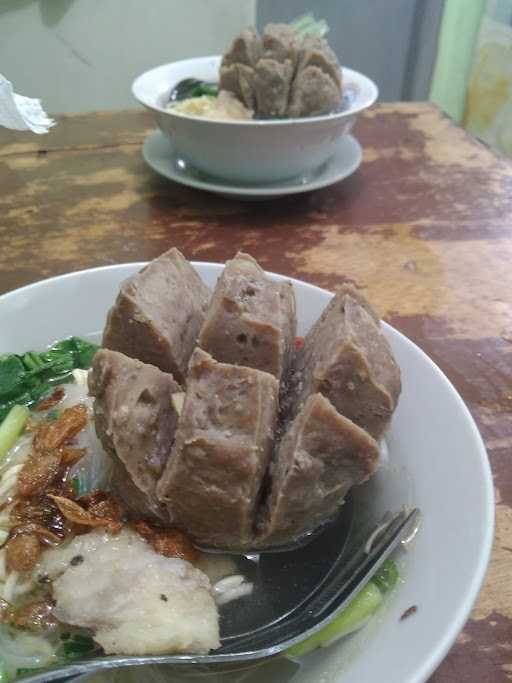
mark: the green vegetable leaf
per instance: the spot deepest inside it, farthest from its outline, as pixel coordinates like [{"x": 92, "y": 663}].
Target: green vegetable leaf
[
  {"x": 26, "y": 379},
  {"x": 204, "y": 89},
  {"x": 78, "y": 646},
  {"x": 84, "y": 352},
  {"x": 12, "y": 377},
  {"x": 192, "y": 87}
]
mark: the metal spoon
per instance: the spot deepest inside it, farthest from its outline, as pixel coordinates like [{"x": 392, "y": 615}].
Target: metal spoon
[{"x": 241, "y": 649}]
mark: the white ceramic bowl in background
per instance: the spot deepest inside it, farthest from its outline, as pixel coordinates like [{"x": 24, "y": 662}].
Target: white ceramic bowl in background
[
  {"x": 437, "y": 461},
  {"x": 249, "y": 151}
]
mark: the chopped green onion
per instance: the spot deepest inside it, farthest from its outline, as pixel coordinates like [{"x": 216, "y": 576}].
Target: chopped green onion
[
  {"x": 79, "y": 487},
  {"x": 11, "y": 428}
]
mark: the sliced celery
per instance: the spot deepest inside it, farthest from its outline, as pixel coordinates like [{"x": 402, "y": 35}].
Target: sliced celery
[
  {"x": 11, "y": 428},
  {"x": 386, "y": 577},
  {"x": 353, "y": 617},
  {"x": 307, "y": 25}
]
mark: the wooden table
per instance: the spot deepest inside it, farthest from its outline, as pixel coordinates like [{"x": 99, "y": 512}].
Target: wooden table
[{"x": 424, "y": 228}]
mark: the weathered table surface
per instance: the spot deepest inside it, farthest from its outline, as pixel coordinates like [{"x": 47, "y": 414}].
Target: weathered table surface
[{"x": 424, "y": 228}]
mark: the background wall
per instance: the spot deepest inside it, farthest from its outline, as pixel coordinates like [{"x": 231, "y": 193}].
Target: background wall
[
  {"x": 81, "y": 55},
  {"x": 392, "y": 41}
]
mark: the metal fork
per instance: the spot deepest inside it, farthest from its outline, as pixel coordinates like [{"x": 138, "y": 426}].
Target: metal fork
[{"x": 322, "y": 606}]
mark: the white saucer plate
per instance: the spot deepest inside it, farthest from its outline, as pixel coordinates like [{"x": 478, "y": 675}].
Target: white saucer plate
[{"x": 159, "y": 153}]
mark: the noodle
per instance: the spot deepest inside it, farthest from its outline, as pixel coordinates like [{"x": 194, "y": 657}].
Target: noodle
[
  {"x": 10, "y": 585},
  {"x": 3, "y": 571},
  {"x": 231, "y": 588},
  {"x": 9, "y": 479},
  {"x": 18, "y": 454}
]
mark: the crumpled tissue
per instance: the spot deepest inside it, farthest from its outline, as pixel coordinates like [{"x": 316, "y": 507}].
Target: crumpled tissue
[{"x": 21, "y": 113}]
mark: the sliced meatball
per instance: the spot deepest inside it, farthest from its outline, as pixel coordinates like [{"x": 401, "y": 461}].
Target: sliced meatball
[
  {"x": 136, "y": 601},
  {"x": 321, "y": 456},
  {"x": 315, "y": 51},
  {"x": 237, "y": 67},
  {"x": 158, "y": 313},
  {"x": 228, "y": 80},
  {"x": 347, "y": 358},
  {"x": 251, "y": 320},
  {"x": 138, "y": 503},
  {"x": 223, "y": 445},
  {"x": 135, "y": 421},
  {"x": 246, "y": 85},
  {"x": 316, "y": 87},
  {"x": 275, "y": 69},
  {"x": 239, "y": 80},
  {"x": 280, "y": 42},
  {"x": 313, "y": 93},
  {"x": 245, "y": 49},
  {"x": 271, "y": 85}
]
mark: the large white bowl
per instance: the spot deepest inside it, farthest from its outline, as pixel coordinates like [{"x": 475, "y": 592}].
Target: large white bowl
[
  {"x": 437, "y": 462},
  {"x": 249, "y": 151}
]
